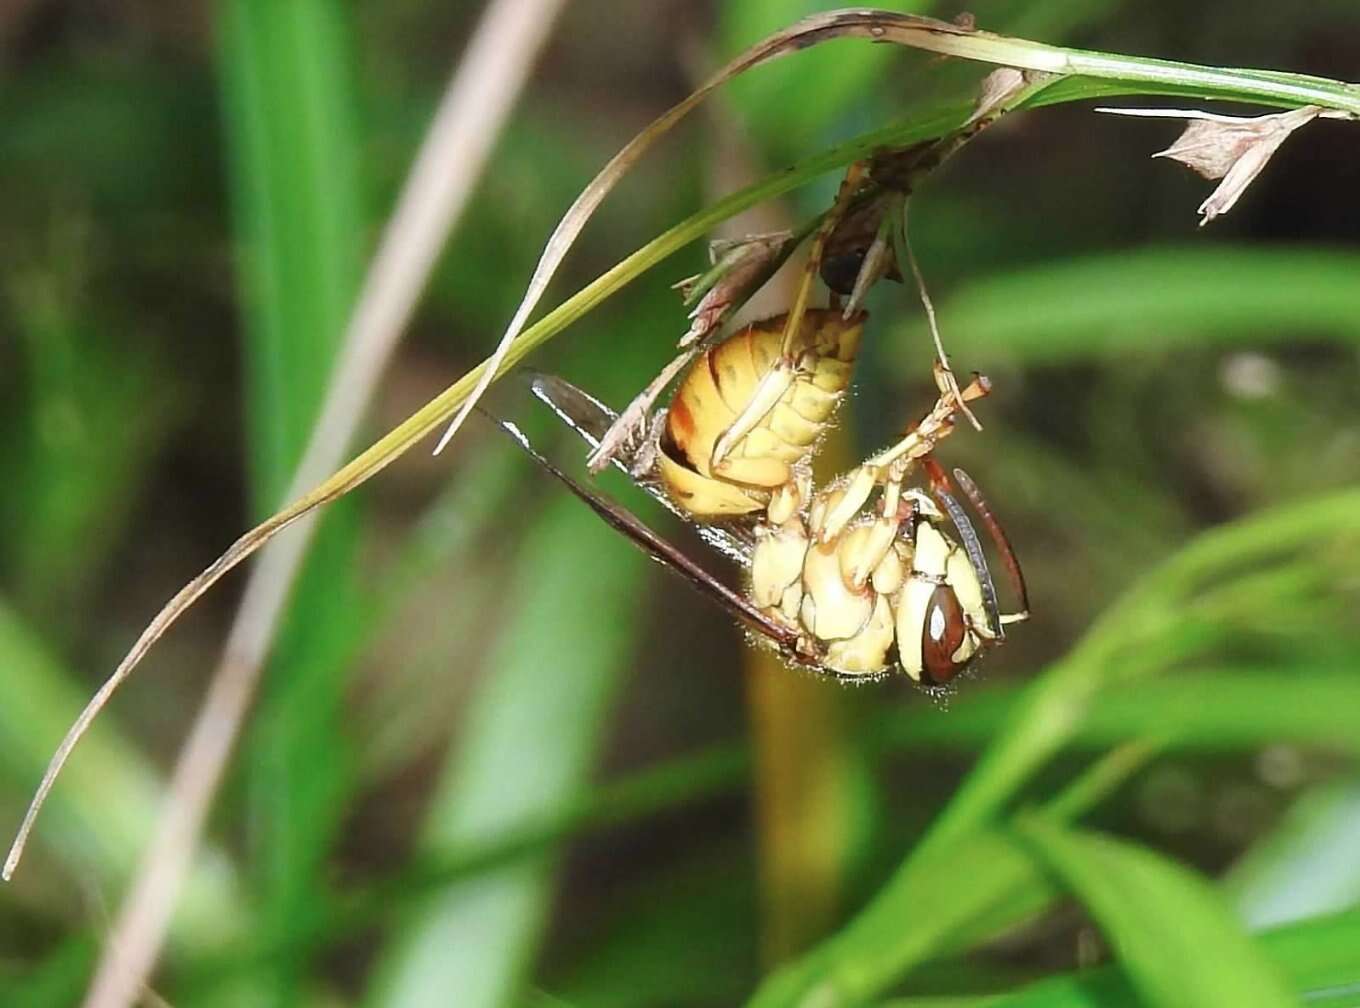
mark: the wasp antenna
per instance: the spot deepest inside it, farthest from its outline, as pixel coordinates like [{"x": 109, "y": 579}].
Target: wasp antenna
[
  {"x": 999, "y": 537},
  {"x": 973, "y": 547}
]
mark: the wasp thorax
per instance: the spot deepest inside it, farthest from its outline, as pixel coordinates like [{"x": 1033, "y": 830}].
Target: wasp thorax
[
  {"x": 777, "y": 563},
  {"x": 865, "y": 547},
  {"x": 832, "y": 608}
]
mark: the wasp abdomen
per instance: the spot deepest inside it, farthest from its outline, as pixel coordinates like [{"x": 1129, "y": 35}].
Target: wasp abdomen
[{"x": 718, "y": 388}]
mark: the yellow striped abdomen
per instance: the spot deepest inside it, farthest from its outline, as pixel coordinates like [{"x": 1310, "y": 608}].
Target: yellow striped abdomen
[{"x": 718, "y": 387}]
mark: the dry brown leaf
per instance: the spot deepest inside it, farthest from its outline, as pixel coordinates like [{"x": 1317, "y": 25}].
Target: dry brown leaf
[
  {"x": 997, "y": 88},
  {"x": 1233, "y": 148},
  {"x": 739, "y": 268}
]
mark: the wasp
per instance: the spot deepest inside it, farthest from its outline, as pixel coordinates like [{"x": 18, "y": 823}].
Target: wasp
[{"x": 851, "y": 579}]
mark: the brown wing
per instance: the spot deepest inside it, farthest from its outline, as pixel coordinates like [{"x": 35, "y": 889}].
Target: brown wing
[
  {"x": 590, "y": 418},
  {"x": 663, "y": 552}
]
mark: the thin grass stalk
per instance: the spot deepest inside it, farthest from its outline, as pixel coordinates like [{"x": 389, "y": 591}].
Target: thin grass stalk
[{"x": 451, "y": 159}]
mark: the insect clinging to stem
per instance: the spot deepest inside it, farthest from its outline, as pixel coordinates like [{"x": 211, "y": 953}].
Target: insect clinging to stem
[
  {"x": 850, "y": 579},
  {"x": 734, "y": 456}
]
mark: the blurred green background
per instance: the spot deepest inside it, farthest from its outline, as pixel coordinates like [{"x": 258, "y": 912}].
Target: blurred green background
[{"x": 499, "y": 758}]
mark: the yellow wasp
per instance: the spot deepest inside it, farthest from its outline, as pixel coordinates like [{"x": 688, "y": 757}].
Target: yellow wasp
[
  {"x": 850, "y": 579},
  {"x": 859, "y": 576}
]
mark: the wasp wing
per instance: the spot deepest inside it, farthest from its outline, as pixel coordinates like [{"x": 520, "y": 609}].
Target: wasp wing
[
  {"x": 663, "y": 552},
  {"x": 590, "y": 419}
]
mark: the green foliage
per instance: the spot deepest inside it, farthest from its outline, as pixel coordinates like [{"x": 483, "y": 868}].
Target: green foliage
[
  {"x": 532, "y": 732},
  {"x": 294, "y": 163},
  {"x": 1143, "y": 903},
  {"x": 1172, "y": 443}
]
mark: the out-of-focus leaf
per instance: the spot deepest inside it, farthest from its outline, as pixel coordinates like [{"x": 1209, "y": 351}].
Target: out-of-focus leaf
[
  {"x": 399, "y": 719},
  {"x": 1307, "y": 865},
  {"x": 1148, "y": 907},
  {"x": 529, "y": 741},
  {"x": 1152, "y": 299},
  {"x": 56, "y": 982},
  {"x": 1128, "y": 643},
  {"x": 683, "y": 936},
  {"x": 127, "y": 136},
  {"x": 100, "y": 821},
  {"x": 294, "y": 171},
  {"x": 1316, "y": 956},
  {"x": 674, "y": 783},
  {"x": 791, "y": 101},
  {"x": 93, "y": 414},
  {"x": 1211, "y": 711},
  {"x": 998, "y": 873},
  {"x": 980, "y": 887}
]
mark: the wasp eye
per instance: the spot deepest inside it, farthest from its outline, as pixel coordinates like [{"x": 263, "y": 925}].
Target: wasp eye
[{"x": 942, "y": 635}]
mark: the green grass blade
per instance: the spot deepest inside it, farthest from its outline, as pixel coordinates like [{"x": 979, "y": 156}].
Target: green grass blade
[
  {"x": 294, "y": 161},
  {"x": 981, "y": 886},
  {"x": 1316, "y": 956},
  {"x": 871, "y": 951},
  {"x": 294, "y": 166},
  {"x": 789, "y": 103},
  {"x": 100, "y": 820},
  {"x": 1206, "y": 298},
  {"x": 985, "y": 872},
  {"x": 530, "y": 738},
  {"x": 1307, "y": 865},
  {"x": 1216, "y": 710},
  {"x": 1057, "y": 703},
  {"x": 1172, "y": 934}
]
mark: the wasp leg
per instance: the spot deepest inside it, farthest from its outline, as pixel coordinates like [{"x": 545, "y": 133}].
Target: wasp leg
[
  {"x": 591, "y": 420},
  {"x": 781, "y": 377},
  {"x": 949, "y": 384},
  {"x": 890, "y": 467},
  {"x": 776, "y": 382},
  {"x": 854, "y": 177},
  {"x": 921, "y": 439}
]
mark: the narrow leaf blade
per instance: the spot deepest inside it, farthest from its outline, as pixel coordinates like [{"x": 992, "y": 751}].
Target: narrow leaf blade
[{"x": 1143, "y": 902}]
